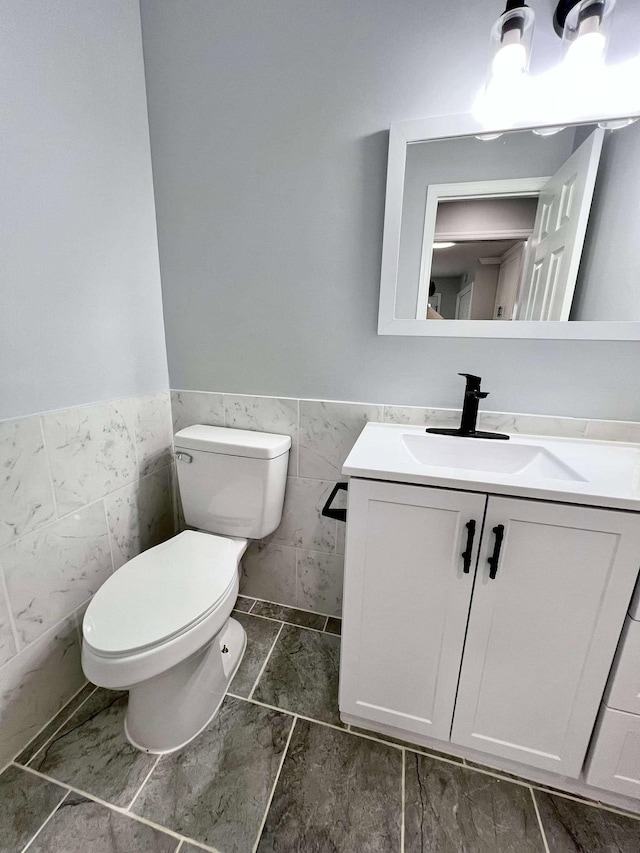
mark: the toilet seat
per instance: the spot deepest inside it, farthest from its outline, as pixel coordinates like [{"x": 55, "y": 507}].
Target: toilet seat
[{"x": 161, "y": 594}]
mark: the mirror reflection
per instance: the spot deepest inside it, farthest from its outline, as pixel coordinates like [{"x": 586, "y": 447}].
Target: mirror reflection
[{"x": 519, "y": 227}]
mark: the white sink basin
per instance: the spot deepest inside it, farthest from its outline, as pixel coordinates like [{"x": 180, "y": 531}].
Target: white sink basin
[
  {"x": 598, "y": 473},
  {"x": 475, "y": 454}
]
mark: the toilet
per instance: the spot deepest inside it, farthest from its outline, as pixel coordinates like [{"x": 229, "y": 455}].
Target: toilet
[{"x": 161, "y": 626}]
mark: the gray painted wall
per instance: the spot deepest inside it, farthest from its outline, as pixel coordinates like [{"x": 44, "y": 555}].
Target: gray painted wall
[
  {"x": 81, "y": 311},
  {"x": 269, "y": 139},
  {"x": 608, "y": 285},
  {"x": 448, "y": 289}
]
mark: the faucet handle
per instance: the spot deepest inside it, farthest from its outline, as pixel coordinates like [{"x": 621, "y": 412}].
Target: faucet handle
[{"x": 471, "y": 379}]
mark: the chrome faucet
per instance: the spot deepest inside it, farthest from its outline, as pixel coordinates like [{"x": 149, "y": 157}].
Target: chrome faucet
[{"x": 472, "y": 397}]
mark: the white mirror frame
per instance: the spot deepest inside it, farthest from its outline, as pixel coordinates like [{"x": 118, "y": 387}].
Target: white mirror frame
[{"x": 444, "y": 127}]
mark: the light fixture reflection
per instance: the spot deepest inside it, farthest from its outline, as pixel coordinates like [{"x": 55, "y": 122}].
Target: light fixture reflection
[
  {"x": 443, "y": 245},
  {"x": 548, "y": 131}
]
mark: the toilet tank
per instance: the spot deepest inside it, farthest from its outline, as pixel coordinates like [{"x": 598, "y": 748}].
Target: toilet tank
[{"x": 232, "y": 481}]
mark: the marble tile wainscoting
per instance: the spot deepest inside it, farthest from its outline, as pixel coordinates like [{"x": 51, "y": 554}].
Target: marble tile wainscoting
[
  {"x": 82, "y": 491},
  {"x": 302, "y": 563}
]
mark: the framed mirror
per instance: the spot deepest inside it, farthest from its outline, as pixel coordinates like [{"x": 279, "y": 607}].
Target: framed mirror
[{"x": 521, "y": 233}]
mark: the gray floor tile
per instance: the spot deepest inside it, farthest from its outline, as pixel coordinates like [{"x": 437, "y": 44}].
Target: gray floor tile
[
  {"x": 290, "y": 614},
  {"x": 244, "y": 604},
  {"x": 302, "y": 674},
  {"x": 26, "y": 802},
  {"x": 216, "y": 789},
  {"x": 82, "y": 826},
  {"x": 449, "y": 809},
  {"x": 334, "y": 626},
  {"x": 62, "y": 716},
  {"x": 336, "y": 792},
  {"x": 573, "y": 827},
  {"x": 91, "y": 752},
  {"x": 260, "y": 636}
]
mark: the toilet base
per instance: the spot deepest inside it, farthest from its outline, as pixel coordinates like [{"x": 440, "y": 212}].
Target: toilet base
[{"x": 168, "y": 711}]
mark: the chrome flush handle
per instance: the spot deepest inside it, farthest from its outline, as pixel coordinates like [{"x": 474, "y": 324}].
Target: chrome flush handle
[{"x": 183, "y": 457}]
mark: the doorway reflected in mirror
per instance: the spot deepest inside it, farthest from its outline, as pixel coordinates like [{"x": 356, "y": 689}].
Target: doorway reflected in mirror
[{"x": 518, "y": 228}]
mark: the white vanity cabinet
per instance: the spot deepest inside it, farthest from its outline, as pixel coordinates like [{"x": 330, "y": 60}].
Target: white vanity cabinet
[{"x": 511, "y": 661}]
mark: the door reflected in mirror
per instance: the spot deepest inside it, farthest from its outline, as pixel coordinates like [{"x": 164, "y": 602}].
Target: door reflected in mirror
[{"x": 518, "y": 228}]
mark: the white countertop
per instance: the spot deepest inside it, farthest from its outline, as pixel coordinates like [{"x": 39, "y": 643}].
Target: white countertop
[{"x": 600, "y": 473}]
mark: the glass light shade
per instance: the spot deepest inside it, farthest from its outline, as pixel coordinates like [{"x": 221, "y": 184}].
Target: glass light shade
[
  {"x": 586, "y": 36},
  {"x": 511, "y": 38}
]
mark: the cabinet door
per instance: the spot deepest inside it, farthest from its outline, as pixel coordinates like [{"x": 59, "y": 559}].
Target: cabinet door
[
  {"x": 406, "y": 603},
  {"x": 543, "y": 633}
]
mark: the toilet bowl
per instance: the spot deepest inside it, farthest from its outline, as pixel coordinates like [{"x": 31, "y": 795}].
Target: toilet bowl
[{"x": 161, "y": 626}]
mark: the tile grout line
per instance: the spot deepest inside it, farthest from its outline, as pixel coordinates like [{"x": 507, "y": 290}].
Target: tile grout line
[
  {"x": 348, "y": 730},
  {"x": 118, "y": 809},
  {"x": 106, "y": 521},
  {"x": 144, "y": 782},
  {"x": 291, "y": 606},
  {"x": 576, "y": 798},
  {"x": 539, "y": 786},
  {"x": 324, "y": 630},
  {"x": 266, "y": 661},
  {"x": 134, "y": 437},
  {"x": 284, "y": 621},
  {"x": 288, "y": 606},
  {"x": 540, "y": 824},
  {"x": 402, "y": 799},
  {"x": 62, "y": 724},
  {"x": 275, "y": 784},
  {"x": 87, "y": 406},
  {"x": 49, "y": 468},
  {"x": 296, "y": 562},
  {"x": 78, "y": 509},
  {"x": 342, "y": 728},
  {"x": 43, "y": 824},
  {"x": 12, "y": 621}
]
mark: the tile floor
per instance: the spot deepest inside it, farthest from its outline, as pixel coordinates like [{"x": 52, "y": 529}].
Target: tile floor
[{"x": 275, "y": 772}]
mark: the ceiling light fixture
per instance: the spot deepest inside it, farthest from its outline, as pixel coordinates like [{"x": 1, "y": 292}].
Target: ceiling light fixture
[
  {"x": 443, "y": 245},
  {"x": 585, "y": 27},
  {"x": 511, "y": 37},
  {"x": 511, "y": 95}
]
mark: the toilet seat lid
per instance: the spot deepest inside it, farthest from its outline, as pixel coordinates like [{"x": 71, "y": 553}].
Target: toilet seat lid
[{"x": 160, "y": 593}]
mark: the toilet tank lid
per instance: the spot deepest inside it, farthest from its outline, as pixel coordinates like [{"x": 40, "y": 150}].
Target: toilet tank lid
[{"x": 233, "y": 442}]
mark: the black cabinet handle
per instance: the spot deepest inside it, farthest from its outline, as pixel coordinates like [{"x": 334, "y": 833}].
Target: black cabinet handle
[
  {"x": 493, "y": 560},
  {"x": 466, "y": 554}
]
